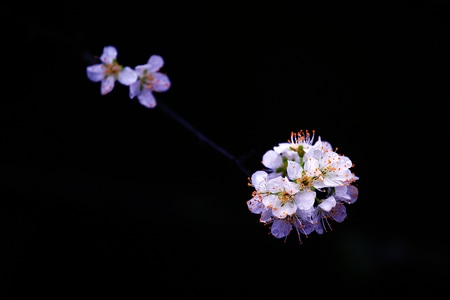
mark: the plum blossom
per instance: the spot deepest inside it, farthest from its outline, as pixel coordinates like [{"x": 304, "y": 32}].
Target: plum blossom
[
  {"x": 109, "y": 70},
  {"x": 305, "y": 185},
  {"x": 149, "y": 80}
]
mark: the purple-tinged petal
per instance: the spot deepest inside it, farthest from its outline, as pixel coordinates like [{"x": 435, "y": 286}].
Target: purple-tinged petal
[
  {"x": 95, "y": 72},
  {"x": 346, "y": 193},
  {"x": 266, "y": 215},
  {"x": 127, "y": 76},
  {"x": 147, "y": 99},
  {"x": 304, "y": 227},
  {"x": 305, "y": 215},
  {"x": 140, "y": 69},
  {"x": 339, "y": 212},
  {"x": 109, "y": 54},
  {"x": 107, "y": 85},
  {"x": 255, "y": 205},
  {"x": 135, "y": 89},
  {"x": 281, "y": 228},
  {"x": 161, "y": 82},
  {"x": 155, "y": 62}
]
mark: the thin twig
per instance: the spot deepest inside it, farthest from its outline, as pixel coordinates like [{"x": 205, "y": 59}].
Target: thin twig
[{"x": 202, "y": 137}]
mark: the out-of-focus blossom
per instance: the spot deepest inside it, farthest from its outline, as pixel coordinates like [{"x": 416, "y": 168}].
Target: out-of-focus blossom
[
  {"x": 305, "y": 185},
  {"x": 149, "y": 80},
  {"x": 109, "y": 70}
]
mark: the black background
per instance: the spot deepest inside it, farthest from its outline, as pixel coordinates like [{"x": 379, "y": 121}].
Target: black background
[{"x": 104, "y": 197}]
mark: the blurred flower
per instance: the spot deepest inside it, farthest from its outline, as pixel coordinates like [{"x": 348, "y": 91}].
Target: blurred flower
[
  {"x": 305, "y": 185},
  {"x": 108, "y": 71},
  {"x": 149, "y": 80}
]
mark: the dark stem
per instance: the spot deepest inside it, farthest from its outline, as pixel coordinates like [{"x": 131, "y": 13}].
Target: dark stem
[{"x": 202, "y": 137}]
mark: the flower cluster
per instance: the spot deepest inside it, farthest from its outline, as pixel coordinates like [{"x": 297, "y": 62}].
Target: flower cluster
[
  {"x": 142, "y": 81},
  {"x": 305, "y": 183},
  {"x": 305, "y": 186}
]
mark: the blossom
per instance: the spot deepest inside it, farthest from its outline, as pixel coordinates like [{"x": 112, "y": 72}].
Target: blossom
[
  {"x": 305, "y": 185},
  {"x": 149, "y": 80},
  {"x": 109, "y": 70}
]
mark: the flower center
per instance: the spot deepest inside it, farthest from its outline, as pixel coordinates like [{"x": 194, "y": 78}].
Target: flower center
[
  {"x": 285, "y": 197},
  {"x": 112, "y": 69},
  {"x": 147, "y": 80}
]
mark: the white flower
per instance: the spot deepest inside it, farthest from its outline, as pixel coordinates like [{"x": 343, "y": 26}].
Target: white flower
[
  {"x": 108, "y": 71},
  {"x": 301, "y": 139},
  {"x": 149, "y": 80},
  {"x": 333, "y": 170},
  {"x": 280, "y": 197},
  {"x": 305, "y": 186}
]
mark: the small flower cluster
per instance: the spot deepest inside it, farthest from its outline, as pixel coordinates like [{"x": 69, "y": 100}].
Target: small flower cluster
[
  {"x": 305, "y": 186},
  {"x": 143, "y": 80}
]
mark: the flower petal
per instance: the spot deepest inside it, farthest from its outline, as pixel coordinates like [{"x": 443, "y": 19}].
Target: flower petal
[
  {"x": 255, "y": 205},
  {"x": 95, "y": 72},
  {"x": 281, "y": 210},
  {"x": 161, "y": 82},
  {"x": 272, "y": 160},
  {"x": 107, "y": 85},
  {"x": 305, "y": 200},
  {"x": 140, "y": 70},
  {"x": 258, "y": 179},
  {"x": 109, "y": 54},
  {"x": 155, "y": 62},
  {"x": 147, "y": 99},
  {"x": 294, "y": 170},
  {"x": 135, "y": 89},
  {"x": 328, "y": 204},
  {"x": 127, "y": 76},
  {"x": 339, "y": 213},
  {"x": 280, "y": 228}
]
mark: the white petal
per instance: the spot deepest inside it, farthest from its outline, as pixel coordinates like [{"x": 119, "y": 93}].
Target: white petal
[
  {"x": 282, "y": 147},
  {"x": 311, "y": 167},
  {"x": 294, "y": 170},
  {"x": 326, "y": 146},
  {"x": 272, "y": 160},
  {"x": 275, "y": 185},
  {"x": 258, "y": 178},
  {"x": 290, "y": 186},
  {"x": 269, "y": 200},
  {"x": 305, "y": 200},
  {"x": 127, "y": 76},
  {"x": 328, "y": 204},
  {"x": 282, "y": 212}
]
